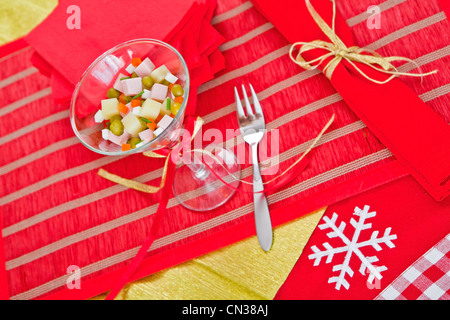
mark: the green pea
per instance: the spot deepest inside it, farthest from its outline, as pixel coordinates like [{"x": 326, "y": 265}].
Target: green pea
[
  {"x": 127, "y": 99},
  {"x": 116, "y": 127},
  {"x": 175, "y": 107},
  {"x": 165, "y": 82},
  {"x": 116, "y": 117},
  {"x": 134, "y": 75},
  {"x": 113, "y": 93},
  {"x": 133, "y": 142},
  {"x": 148, "y": 82},
  {"x": 143, "y": 122},
  {"x": 177, "y": 90}
]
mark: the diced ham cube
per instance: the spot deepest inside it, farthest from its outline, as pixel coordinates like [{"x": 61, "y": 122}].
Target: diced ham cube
[
  {"x": 119, "y": 140},
  {"x": 164, "y": 122},
  {"x": 105, "y": 134},
  {"x": 143, "y": 142},
  {"x": 132, "y": 86},
  {"x": 136, "y": 111},
  {"x": 146, "y": 94},
  {"x": 118, "y": 83},
  {"x": 159, "y": 92},
  {"x": 158, "y": 131},
  {"x": 146, "y": 134},
  {"x": 145, "y": 68},
  {"x": 130, "y": 69}
]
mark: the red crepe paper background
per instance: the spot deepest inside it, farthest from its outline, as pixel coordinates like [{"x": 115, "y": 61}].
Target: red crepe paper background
[{"x": 71, "y": 216}]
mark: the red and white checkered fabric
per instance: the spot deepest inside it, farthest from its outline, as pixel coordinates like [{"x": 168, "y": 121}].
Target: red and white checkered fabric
[{"x": 426, "y": 279}]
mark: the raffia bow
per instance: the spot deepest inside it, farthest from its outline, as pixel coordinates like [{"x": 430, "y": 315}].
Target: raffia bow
[{"x": 339, "y": 51}]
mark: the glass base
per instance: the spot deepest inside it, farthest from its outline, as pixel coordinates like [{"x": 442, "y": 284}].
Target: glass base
[{"x": 198, "y": 189}]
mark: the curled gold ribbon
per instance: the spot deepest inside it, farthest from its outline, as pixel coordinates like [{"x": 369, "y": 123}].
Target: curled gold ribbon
[
  {"x": 132, "y": 184},
  {"x": 339, "y": 51}
]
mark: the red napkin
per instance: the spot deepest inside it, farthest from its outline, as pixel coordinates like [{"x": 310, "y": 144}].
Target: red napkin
[
  {"x": 413, "y": 132},
  {"x": 398, "y": 209},
  {"x": 104, "y": 25}
]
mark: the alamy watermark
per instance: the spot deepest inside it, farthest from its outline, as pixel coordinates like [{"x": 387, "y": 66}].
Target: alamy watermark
[
  {"x": 74, "y": 279},
  {"x": 374, "y": 20},
  {"x": 74, "y": 20},
  {"x": 198, "y": 148}
]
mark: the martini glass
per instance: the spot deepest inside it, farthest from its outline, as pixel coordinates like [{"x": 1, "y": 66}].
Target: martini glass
[{"x": 194, "y": 185}]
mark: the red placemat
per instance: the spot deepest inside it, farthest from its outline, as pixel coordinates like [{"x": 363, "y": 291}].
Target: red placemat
[{"x": 57, "y": 212}]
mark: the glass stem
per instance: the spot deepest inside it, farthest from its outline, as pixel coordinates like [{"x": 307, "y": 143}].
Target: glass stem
[{"x": 199, "y": 170}]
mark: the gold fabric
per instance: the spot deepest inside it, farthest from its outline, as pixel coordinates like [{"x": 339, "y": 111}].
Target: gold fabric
[
  {"x": 18, "y": 17},
  {"x": 240, "y": 271}
]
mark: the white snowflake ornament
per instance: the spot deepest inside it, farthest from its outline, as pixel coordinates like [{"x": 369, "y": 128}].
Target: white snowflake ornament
[{"x": 352, "y": 246}]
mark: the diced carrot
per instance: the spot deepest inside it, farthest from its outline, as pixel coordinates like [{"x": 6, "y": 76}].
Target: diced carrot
[
  {"x": 123, "y": 108},
  {"x": 122, "y": 98},
  {"x": 151, "y": 125},
  {"x": 126, "y": 147},
  {"x": 170, "y": 86},
  {"x": 159, "y": 117},
  {"x": 136, "y": 103},
  {"x": 136, "y": 61},
  {"x": 179, "y": 99}
]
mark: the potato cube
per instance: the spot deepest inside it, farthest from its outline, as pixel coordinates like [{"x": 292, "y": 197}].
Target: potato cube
[
  {"x": 132, "y": 86},
  {"x": 150, "y": 109},
  {"x": 159, "y": 73},
  {"x": 110, "y": 108},
  {"x": 132, "y": 125},
  {"x": 136, "y": 111},
  {"x": 164, "y": 110}
]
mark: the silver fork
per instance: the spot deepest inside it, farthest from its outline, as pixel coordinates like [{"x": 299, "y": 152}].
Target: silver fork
[{"x": 252, "y": 127}]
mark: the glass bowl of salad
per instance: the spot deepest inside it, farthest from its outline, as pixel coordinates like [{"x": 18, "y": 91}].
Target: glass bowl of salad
[{"x": 131, "y": 99}]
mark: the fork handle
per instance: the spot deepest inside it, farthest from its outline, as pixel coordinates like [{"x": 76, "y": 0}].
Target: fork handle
[{"x": 262, "y": 215}]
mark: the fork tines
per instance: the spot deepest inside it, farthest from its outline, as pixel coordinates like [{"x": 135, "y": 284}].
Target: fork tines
[{"x": 248, "y": 106}]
